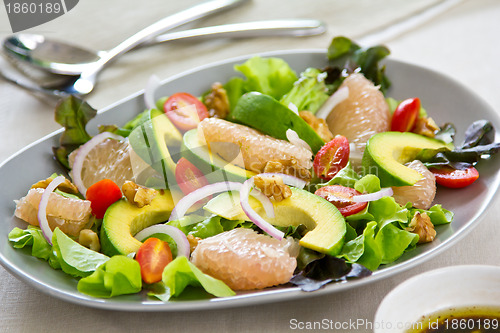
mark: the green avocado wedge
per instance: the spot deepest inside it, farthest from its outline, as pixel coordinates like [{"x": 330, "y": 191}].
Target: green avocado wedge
[
  {"x": 155, "y": 142},
  {"x": 212, "y": 166},
  {"x": 123, "y": 220},
  {"x": 269, "y": 116},
  {"x": 326, "y": 225},
  {"x": 387, "y": 152}
]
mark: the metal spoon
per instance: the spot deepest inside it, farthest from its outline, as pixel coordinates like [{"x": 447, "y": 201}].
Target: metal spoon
[
  {"x": 67, "y": 84},
  {"x": 85, "y": 82},
  {"x": 63, "y": 58}
]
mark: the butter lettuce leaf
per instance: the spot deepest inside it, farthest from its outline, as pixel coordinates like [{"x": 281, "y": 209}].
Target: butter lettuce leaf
[
  {"x": 270, "y": 76},
  {"x": 437, "y": 214},
  {"x": 181, "y": 273},
  {"x": 120, "y": 275},
  {"x": 75, "y": 259},
  {"x": 393, "y": 242},
  {"x": 345, "y": 177},
  {"x": 309, "y": 92},
  {"x": 31, "y": 237},
  {"x": 364, "y": 249}
]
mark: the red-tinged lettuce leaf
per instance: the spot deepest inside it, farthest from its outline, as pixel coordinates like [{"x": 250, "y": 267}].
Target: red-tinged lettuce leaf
[
  {"x": 345, "y": 55},
  {"x": 328, "y": 269}
]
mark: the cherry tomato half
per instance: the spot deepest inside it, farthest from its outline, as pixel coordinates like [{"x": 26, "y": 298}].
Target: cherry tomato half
[
  {"x": 341, "y": 197},
  {"x": 332, "y": 158},
  {"x": 189, "y": 177},
  {"x": 185, "y": 111},
  {"x": 153, "y": 255},
  {"x": 405, "y": 115},
  {"x": 455, "y": 178},
  {"x": 101, "y": 195}
]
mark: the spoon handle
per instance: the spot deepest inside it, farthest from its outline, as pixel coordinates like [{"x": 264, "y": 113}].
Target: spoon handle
[
  {"x": 202, "y": 10},
  {"x": 291, "y": 27}
]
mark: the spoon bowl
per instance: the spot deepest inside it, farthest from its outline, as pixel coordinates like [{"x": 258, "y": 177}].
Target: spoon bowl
[{"x": 59, "y": 57}]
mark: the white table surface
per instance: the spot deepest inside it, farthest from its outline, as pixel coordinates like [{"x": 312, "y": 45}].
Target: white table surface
[{"x": 463, "y": 43}]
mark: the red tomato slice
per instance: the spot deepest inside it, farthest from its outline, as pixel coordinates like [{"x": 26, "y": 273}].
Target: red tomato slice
[
  {"x": 405, "y": 115},
  {"x": 189, "y": 177},
  {"x": 101, "y": 195},
  {"x": 185, "y": 111},
  {"x": 153, "y": 255},
  {"x": 332, "y": 157},
  {"x": 341, "y": 197},
  {"x": 455, "y": 178}
]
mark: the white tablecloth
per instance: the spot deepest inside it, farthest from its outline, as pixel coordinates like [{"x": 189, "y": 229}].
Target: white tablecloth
[{"x": 463, "y": 43}]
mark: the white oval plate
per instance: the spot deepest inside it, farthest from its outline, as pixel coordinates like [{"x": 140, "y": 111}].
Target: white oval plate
[{"x": 444, "y": 99}]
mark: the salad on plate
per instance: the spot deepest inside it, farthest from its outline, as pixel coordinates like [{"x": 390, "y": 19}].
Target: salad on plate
[{"x": 272, "y": 178}]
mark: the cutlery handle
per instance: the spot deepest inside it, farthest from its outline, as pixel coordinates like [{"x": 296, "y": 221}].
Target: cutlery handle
[
  {"x": 292, "y": 27},
  {"x": 202, "y": 10}
]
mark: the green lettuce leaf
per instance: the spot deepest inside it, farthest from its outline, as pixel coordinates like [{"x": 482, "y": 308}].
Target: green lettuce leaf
[
  {"x": 436, "y": 213},
  {"x": 75, "y": 259},
  {"x": 73, "y": 114},
  {"x": 368, "y": 184},
  {"x": 270, "y": 76},
  {"x": 345, "y": 177},
  {"x": 32, "y": 237},
  {"x": 210, "y": 226},
  {"x": 387, "y": 210},
  {"x": 364, "y": 249},
  {"x": 181, "y": 273},
  {"x": 393, "y": 242},
  {"x": 309, "y": 92},
  {"x": 120, "y": 275}
]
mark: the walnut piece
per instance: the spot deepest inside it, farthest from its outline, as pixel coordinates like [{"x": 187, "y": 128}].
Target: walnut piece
[
  {"x": 193, "y": 242},
  {"x": 217, "y": 102},
  {"x": 138, "y": 195},
  {"x": 426, "y": 126},
  {"x": 272, "y": 187},
  {"x": 422, "y": 226},
  {"x": 66, "y": 186},
  {"x": 317, "y": 124},
  {"x": 89, "y": 239},
  {"x": 290, "y": 167}
]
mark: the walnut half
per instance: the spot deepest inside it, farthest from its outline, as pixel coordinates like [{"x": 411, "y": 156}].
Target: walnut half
[
  {"x": 422, "y": 226},
  {"x": 318, "y": 125},
  {"x": 137, "y": 194},
  {"x": 272, "y": 187}
]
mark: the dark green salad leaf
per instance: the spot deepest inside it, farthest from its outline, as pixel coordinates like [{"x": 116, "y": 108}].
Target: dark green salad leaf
[
  {"x": 73, "y": 114},
  {"x": 478, "y": 143},
  {"x": 345, "y": 55},
  {"x": 327, "y": 269}
]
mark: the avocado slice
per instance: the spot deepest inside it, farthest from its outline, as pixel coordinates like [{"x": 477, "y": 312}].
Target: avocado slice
[
  {"x": 326, "y": 225},
  {"x": 213, "y": 167},
  {"x": 155, "y": 141},
  {"x": 387, "y": 152},
  {"x": 123, "y": 220},
  {"x": 269, "y": 116}
]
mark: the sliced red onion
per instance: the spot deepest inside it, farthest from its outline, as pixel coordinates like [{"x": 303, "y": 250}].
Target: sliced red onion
[
  {"x": 76, "y": 172},
  {"x": 385, "y": 192},
  {"x": 287, "y": 179},
  {"x": 149, "y": 92},
  {"x": 183, "y": 247},
  {"x": 294, "y": 139},
  {"x": 293, "y": 107},
  {"x": 252, "y": 214},
  {"x": 189, "y": 200},
  {"x": 339, "y": 96},
  {"x": 42, "y": 208}
]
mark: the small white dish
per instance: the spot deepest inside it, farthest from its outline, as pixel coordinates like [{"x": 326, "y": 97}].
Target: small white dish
[{"x": 435, "y": 291}]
